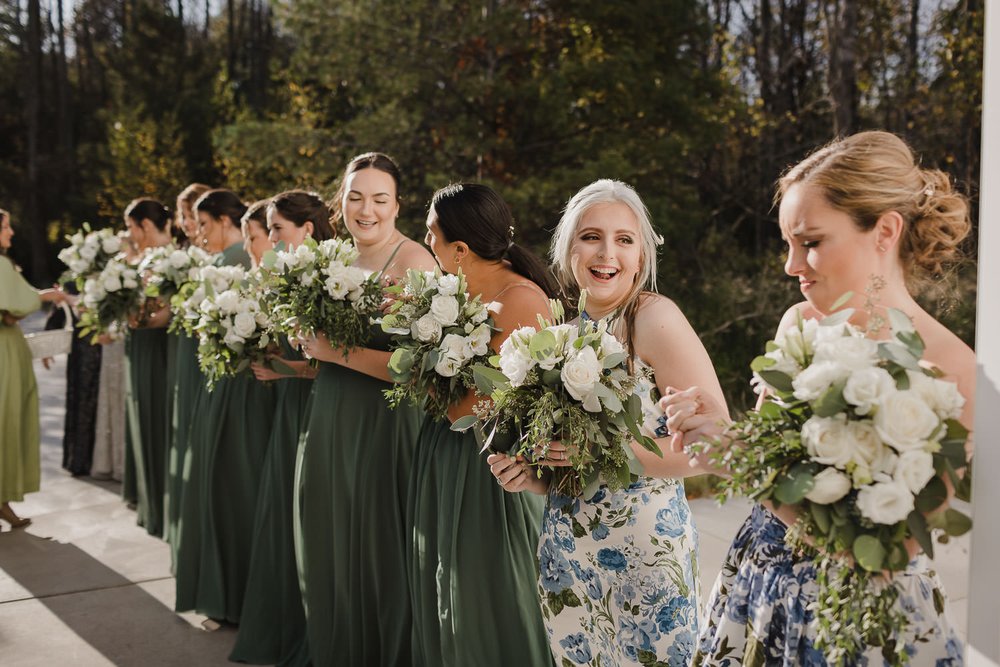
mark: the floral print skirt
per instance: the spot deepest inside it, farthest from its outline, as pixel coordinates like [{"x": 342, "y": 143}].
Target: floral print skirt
[
  {"x": 758, "y": 612},
  {"x": 618, "y": 577}
]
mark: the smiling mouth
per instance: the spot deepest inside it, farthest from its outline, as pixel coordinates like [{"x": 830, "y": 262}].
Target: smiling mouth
[
  {"x": 806, "y": 284},
  {"x": 603, "y": 273},
  {"x": 366, "y": 223}
]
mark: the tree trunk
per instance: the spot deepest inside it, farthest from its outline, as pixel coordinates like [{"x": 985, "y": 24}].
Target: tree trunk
[
  {"x": 841, "y": 20},
  {"x": 64, "y": 101},
  {"x": 33, "y": 222}
]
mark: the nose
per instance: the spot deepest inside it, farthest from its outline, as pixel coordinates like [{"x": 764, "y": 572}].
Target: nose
[
  {"x": 794, "y": 262},
  {"x": 272, "y": 236},
  {"x": 607, "y": 248},
  {"x": 366, "y": 207}
]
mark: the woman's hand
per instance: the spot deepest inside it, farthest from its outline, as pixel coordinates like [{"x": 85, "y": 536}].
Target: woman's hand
[
  {"x": 514, "y": 475},
  {"x": 692, "y": 416},
  {"x": 556, "y": 454},
  {"x": 266, "y": 372},
  {"x": 318, "y": 347}
]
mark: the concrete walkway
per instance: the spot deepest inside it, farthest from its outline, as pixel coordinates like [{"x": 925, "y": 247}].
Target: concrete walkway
[{"x": 83, "y": 585}]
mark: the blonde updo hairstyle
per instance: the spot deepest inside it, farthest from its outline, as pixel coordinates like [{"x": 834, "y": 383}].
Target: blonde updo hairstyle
[
  {"x": 608, "y": 191},
  {"x": 869, "y": 173}
]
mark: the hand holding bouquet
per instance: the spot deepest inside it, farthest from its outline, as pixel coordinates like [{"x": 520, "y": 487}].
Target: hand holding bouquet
[
  {"x": 232, "y": 329},
  {"x": 315, "y": 288},
  {"x": 859, "y": 438},
  {"x": 440, "y": 332},
  {"x": 87, "y": 253},
  {"x": 571, "y": 383},
  {"x": 110, "y": 298}
]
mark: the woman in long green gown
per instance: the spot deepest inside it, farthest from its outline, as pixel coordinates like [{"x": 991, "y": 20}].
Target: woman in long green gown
[
  {"x": 474, "y": 575},
  {"x": 230, "y": 430},
  {"x": 353, "y": 467},
  {"x": 147, "y": 430},
  {"x": 188, "y": 387},
  {"x": 273, "y": 623},
  {"x": 20, "y": 470}
]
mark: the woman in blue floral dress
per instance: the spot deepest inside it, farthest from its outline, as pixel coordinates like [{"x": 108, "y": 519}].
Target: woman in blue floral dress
[
  {"x": 856, "y": 208},
  {"x": 618, "y": 580}
]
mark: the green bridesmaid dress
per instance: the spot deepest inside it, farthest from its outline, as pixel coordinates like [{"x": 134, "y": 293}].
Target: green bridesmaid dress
[
  {"x": 147, "y": 430},
  {"x": 474, "y": 576},
  {"x": 189, "y": 391},
  {"x": 20, "y": 468},
  {"x": 273, "y": 622},
  {"x": 352, "y": 474},
  {"x": 229, "y": 433}
]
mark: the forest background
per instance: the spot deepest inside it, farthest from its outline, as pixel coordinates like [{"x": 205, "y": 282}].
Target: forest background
[{"x": 699, "y": 104}]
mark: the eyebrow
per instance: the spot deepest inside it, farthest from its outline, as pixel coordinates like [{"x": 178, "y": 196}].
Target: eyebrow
[
  {"x": 802, "y": 229},
  {"x": 595, "y": 229},
  {"x": 377, "y": 194}
]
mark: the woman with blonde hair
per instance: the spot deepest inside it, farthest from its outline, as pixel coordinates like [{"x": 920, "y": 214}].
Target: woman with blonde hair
[
  {"x": 618, "y": 578},
  {"x": 858, "y": 208}
]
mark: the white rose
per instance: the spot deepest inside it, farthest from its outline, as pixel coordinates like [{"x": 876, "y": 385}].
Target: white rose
[
  {"x": 112, "y": 282},
  {"x": 179, "y": 259},
  {"x": 228, "y": 301},
  {"x": 233, "y": 340},
  {"x": 456, "y": 347},
  {"x": 447, "y": 367},
  {"x": 88, "y": 252},
  {"x": 852, "y": 352},
  {"x": 942, "y": 396},
  {"x": 304, "y": 255},
  {"x": 905, "y": 421},
  {"x": 479, "y": 339},
  {"x": 444, "y": 309},
  {"x": 448, "y": 285},
  {"x": 867, "y": 448},
  {"x": 886, "y": 503},
  {"x": 78, "y": 265},
  {"x": 244, "y": 324},
  {"x": 811, "y": 383},
  {"x": 514, "y": 359},
  {"x": 914, "y": 469},
  {"x": 866, "y": 388},
  {"x": 426, "y": 329},
  {"x": 111, "y": 245},
  {"x": 129, "y": 282},
  {"x": 828, "y": 440},
  {"x": 831, "y": 485},
  {"x": 336, "y": 288},
  {"x": 580, "y": 375}
]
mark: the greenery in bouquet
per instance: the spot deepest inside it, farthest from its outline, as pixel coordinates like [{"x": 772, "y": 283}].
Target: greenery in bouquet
[
  {"x": 87, "y": 253},
  {"x": 110, "y": 298},
  {"x": 233, "y": 330},
  {"x": 315, "y": 288},
  {"x": 859, "y": 437},
  {"x": 439, "y": 333},
  {"x": 207, "y": 280},
  {"x": 168, "y": 268},
  {"x": 566, "y": 382}
]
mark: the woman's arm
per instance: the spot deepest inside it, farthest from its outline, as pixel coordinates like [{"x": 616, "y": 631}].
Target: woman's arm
[{"x": 361, "y": 359}]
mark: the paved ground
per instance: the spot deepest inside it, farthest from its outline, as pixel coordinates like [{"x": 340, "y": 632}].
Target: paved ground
[{"x": 83, "y": 585}]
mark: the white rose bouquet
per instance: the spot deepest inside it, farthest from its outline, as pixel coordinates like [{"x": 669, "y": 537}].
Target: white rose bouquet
[
  {"x": 567, "y": 382},
  {"x": 202, "y": 282},
  {"x": 860, "y": 438},
  {"x": 87, "y": 253},
  {"x": 110, "y": 298},
  {"x": 167, "y": 268},
  {"x": 439, "y": 333},
  {"x": 233, "y": 330},
  {"x": 316, "y": 288}
]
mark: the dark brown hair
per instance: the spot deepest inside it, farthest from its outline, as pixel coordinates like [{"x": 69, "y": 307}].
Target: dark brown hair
[
  {"x": 218, "y": 203},
  {"x": 149, "y": 209},
  {"x": 300, "y": 207},
  {"x": 372, "y": 160}
]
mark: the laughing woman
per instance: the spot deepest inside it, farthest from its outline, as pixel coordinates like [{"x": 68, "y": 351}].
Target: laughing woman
[
  {"x": 20, "y": 470},
  {"x": 147, "y": 420},
  {"x": 354, "y": 464},
  {"x": 230, "y": 430},
  {"x": 619, "y": 572},
  {"x": 273, "y": 623},
  {"x": 473, "y": 566}
]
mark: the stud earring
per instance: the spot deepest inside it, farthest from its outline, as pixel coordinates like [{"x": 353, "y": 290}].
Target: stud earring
[{"x": 881, "y": 248}]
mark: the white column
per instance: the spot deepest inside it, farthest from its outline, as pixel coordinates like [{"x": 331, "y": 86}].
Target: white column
[{"x": 984, "y": 575}]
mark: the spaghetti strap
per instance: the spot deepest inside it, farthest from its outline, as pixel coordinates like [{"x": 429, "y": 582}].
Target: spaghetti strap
[
  {"x": 392, "y": 256},
  {"x": 526, "y": 283}
]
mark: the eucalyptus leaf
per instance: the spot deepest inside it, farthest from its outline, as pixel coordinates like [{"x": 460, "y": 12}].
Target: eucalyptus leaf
[
  {"x": 932, "y": 495},
  {"x": 900, "y": 322},
  {"x": 869, "y": 553},
  {"x": 615, "y": 359},
  {"x": 463, "y": 424},
  {"x": 898, "y": 354},
  {"x": 831, "y": 402},
  {"x": 777, "y": 379},
  {"x": 843, "y": 299},
  {"x": 917, "y": 523},
  {"x": 795, "y": 484},
  {"x": 838, "y": 318},
  {"x": 956, "y": 523},
  {"x": 762, "y": 363}
]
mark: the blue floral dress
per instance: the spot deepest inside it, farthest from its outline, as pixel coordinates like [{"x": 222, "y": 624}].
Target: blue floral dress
[
  {"x": 758, "y": 612},
  {"x": 618, "y": 574}
]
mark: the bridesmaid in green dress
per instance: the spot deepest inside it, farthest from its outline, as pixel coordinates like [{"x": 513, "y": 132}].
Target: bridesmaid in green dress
[
  {"x": 147, "y": 420},
  {"x": 273, "y": 623},
  {"x": 353, "y": 467},
  {"x": 474, "y": 576},
  {"x": 189, "y": 383},
  {"x": 230, "y": 430},
  {"x": 20, "y": 470}
]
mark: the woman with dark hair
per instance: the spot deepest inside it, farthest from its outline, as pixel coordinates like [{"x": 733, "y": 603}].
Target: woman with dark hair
[
  {"x": 273, "y": 622},
  {"x": 253, "y": 226},
  {"x": 147, "y": 415},
  {"x": 230, "y": 428},
  {"x": 353, "y": 465},
  {"x": 20, "y": 470},
  {"x": 189, "y": 383},
  {"x": 471, "y": 539}
]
